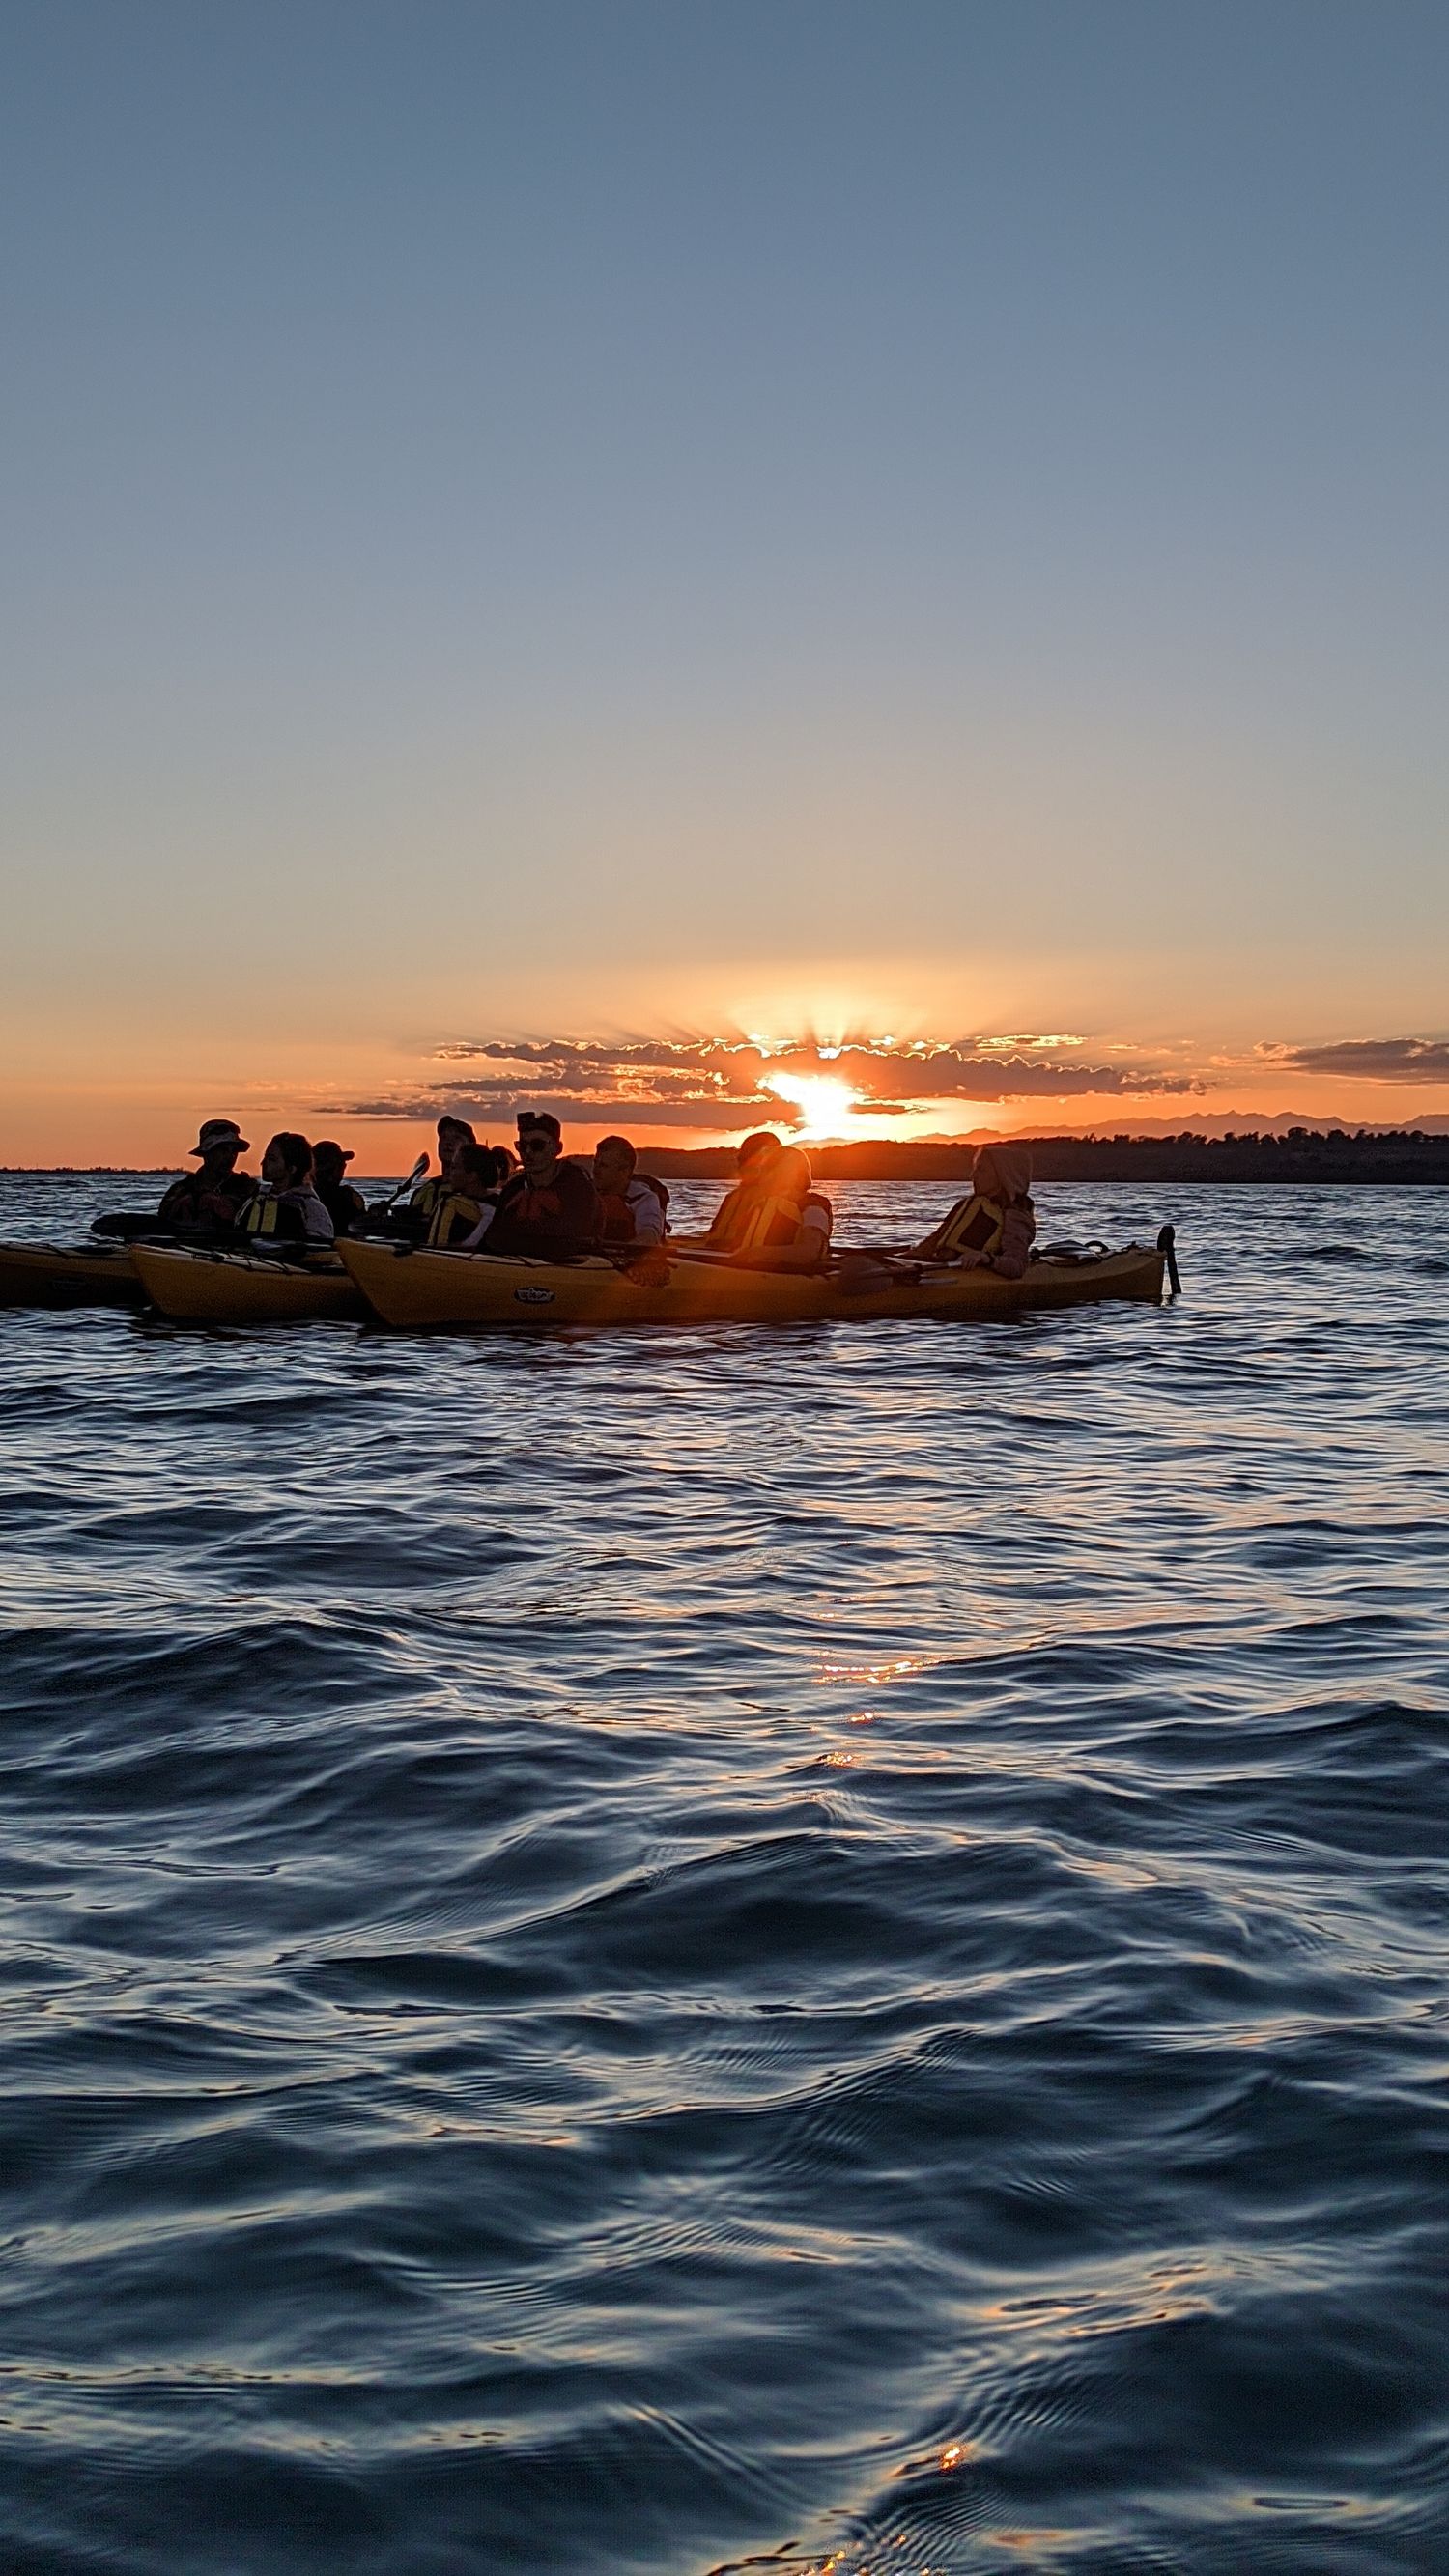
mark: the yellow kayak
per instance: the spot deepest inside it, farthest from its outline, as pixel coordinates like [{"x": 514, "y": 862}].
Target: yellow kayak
[
  {"x": 424, "y": 1291},
  {"x": 55, "y": 1274},
  {"x": 196, "y": 1286}
]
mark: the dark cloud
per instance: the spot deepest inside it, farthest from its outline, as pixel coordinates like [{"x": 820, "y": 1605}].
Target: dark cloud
[
  {"x": 971, "y": 1069},
  {"x": 1372, "y": 1059},
  {"x": 710, "y": 1082}
]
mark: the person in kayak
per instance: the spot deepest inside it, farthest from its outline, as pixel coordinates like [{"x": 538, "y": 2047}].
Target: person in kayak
[
  {"x": 203, "y": 1204},
  {"x": 551, "y": 1207},
  {"x": 774, "y": 1218},
  {"x": 749, "y": 1163},
  {"x": 464, "y": 1213},
  {"x": 286, "y": 1209},
  {"x": 995, "y": 1227},
  {"x": 412, "y": 1220},
  {"x": 345, "y": 1205},
  {"x": 632, "y": 1204}
]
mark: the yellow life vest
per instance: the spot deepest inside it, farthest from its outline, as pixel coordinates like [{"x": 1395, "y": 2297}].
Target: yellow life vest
[
  {"x": 728, "y": 1217},
  {"x": 454, "y": 1209},
  {"x": 975, "y": 1224},
  {"x": 768, "y": 1225},
  {"x": 426, "y": 1196},
  {"x": 261, "y": 1218}
]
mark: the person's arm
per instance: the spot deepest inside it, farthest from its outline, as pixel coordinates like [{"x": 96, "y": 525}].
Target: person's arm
[
  {"x": 648, "y": 1218},
  {"x": 1018, "y": 1233},
  {"x": 471, "y": 1241}
]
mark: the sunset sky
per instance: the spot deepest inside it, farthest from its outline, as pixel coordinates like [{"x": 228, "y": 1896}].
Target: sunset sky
[{"x": 598, "y": 554}]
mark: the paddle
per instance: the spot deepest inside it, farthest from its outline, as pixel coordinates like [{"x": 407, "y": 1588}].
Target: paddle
[
  {"x": 416, "y": 1174},
  {"x": 1166, "y": 1241}
]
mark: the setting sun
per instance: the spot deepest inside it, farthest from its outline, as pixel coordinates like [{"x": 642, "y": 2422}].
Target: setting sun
[{"x": 825, "y": 1102}]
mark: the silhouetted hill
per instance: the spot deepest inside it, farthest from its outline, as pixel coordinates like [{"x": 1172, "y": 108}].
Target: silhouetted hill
[
  {"x": 1390, "y": 1158},
  {"x": 1305, "y": 1154}
]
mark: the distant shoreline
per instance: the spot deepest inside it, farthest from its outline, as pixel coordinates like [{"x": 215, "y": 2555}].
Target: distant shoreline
[{"x": 1406, "y": 1158}]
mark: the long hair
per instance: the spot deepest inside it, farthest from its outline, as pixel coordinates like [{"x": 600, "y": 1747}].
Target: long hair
[{"x": 296, "y": 1153}]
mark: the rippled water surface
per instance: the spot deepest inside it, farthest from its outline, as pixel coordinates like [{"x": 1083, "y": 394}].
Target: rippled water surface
[{"x": 634, "y": 1952}]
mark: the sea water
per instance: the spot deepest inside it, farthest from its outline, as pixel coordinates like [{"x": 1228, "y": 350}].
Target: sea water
[{"x": 823, "y": 1947}]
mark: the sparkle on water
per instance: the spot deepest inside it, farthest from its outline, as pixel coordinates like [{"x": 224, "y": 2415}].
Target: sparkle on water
[{"x": 810, "y": 1950}]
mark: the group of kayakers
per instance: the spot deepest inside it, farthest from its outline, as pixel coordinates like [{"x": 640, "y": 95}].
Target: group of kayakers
[{"x": 531, "y": 1198}]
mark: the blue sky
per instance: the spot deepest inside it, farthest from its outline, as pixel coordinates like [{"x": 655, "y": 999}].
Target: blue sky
[{"x": 639, "y": 519}]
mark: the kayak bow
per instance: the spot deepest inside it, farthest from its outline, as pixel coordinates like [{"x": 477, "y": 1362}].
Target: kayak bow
[
  {"x": 196, "y": 1286},
  {"x": 54, "y": 1274}
]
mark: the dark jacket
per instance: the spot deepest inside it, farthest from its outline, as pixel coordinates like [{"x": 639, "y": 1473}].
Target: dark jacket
[
  {"x": 558, "y": 1218},
  {"x": 197, "y": 1204},
  {"x": 344, "y": 1205}
]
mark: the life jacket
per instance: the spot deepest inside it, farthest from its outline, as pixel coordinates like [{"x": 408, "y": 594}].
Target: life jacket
[
  {"x": 195, "y": 1200},
  {"x": 746, "y": 1222},
  {"x": 975, "y": 1225},
  {"x": 768, "y": 1224},
  {"x": 980, "y": 1230},
  {"x": 732, "y": 1216},
  {"x": 262, "y": 1218},
  {"x": 426, "y": 1196},
  {"x": 455, "y": 1215},
  {"x": 618, "y": 1207}
]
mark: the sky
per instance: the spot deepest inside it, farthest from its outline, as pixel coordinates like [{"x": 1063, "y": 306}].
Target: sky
[{"x": 603, "y": 553}]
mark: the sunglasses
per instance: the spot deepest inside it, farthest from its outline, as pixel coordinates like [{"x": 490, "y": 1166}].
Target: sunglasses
[{"x": 532, "y": 1138}]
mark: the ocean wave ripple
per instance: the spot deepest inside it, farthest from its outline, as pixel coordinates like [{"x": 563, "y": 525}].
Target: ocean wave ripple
[{"x": 823, "y": 1949}]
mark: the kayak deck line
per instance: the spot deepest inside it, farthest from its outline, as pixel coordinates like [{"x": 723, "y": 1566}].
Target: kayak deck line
[
  {"x": 418, "y": 1290},
  {"x": 412, "y": 1288}
]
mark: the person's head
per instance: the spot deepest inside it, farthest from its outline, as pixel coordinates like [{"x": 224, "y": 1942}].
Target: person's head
[
  {"x": 789, "y": 1171},
  {"x": 452, "y": 1132},
  {"x": 540, "y": 1141},
  {"x": 219, "y": 1143},
  {"x": 329, "y": 1163},
  {"x": 474, "y": 1167},
  {"x": 753, "y": 1156},
  {"x": 614, "y": 1162},
  {"x": 287, "y": 1162},
  {"x": 1001, "y": 1172}
]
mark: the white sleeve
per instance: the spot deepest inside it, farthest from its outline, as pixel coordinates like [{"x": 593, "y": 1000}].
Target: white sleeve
[
  {"x": 816, "y": 1220},
  {"x": 648, "y": 1218},
  {"x": 471, "y": 1241}
]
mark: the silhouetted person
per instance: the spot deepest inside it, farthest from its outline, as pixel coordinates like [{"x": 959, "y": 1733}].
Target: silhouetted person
[
  {"x": 551, "y": 1207},
  {"x": 774, "y": 1218},
  {"x": 995, "y": 1228},
  {"x": 286, "y": 1209},
  {"x": 203, "y": 1204},
  {"x": 345, "y": 1205},
  {"x": 631, "y": 1203},
  {"x": 462, "y": 1216}
]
